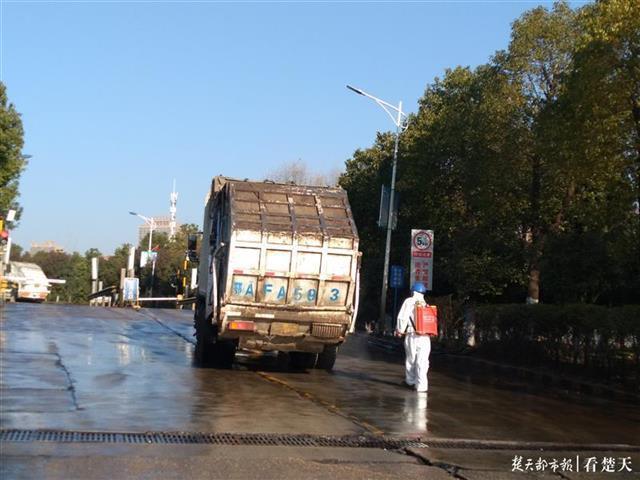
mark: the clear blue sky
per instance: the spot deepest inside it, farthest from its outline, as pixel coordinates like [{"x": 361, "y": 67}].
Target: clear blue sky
[{"x": 119, "y": 98}]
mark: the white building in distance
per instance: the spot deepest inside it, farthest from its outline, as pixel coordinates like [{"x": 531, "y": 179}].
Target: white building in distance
[
  {"x": 48, "y": 246},
  {"x": 162, "y": 224}
]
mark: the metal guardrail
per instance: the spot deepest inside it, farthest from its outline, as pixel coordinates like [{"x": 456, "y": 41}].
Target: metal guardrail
[
  {"x": 186, "y": 301},
  {"x": 157, "y": 299},
  {"x": 111, "y": 292},
  {"x": 105, "y": 292}
]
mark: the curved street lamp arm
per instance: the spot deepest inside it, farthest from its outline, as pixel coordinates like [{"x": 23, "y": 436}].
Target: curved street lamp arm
[
  {"x": 400, "y": 121},
  {"x": 393, "y": 118},
  {"x": 148, "y": 220}
]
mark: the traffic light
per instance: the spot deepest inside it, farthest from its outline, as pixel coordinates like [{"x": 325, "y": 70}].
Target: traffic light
[{"x": 4, "y": 237}]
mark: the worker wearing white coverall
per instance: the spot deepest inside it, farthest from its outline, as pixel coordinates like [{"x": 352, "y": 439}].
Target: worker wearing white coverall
[{"x": 417, "y": 347}]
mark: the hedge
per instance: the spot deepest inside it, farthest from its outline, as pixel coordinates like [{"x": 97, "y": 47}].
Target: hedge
[{"x": 588, "y": 339}]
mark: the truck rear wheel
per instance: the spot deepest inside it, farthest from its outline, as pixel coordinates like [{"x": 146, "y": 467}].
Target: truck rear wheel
[
  {"x": 204, "y": 334},
  {"x": 327, "y": 358},
  {"x": 204, "y": 346},
  {"x": 220, "y": 353},
  {"x": 212, "y": 351},
  {"x": 302, "y": 360},
  {"x": 223, "y": 353}
]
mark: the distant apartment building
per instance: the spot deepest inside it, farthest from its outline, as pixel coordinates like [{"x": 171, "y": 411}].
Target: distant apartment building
[
  {"x": 47, "y": 246},
  {"x": 162, "y": 225}
]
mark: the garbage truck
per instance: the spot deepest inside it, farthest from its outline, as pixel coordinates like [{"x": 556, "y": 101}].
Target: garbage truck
[{"x": 278, "y": 271}]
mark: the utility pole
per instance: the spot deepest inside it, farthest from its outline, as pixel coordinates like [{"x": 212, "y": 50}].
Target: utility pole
[
  {"x": 399, "y": 119},
  {"x": 94, "y": 278},
  {"x": 173, "y": 200},
  {"x": 152, "y": 225}
]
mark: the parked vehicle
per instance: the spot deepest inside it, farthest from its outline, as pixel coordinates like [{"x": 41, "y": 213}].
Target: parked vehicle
[
  {"x": 278, "y": 271},
  {"x": 8, "y": 290},
  {"x": 32, "y": 283}
]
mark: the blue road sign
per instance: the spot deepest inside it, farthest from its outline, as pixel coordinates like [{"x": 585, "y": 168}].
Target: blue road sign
[
  {"x": 397, "y": 276},
  {"x": 131, "y": 289}
]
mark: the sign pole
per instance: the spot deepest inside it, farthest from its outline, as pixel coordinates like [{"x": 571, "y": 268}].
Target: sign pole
[
  {"x": 395, "y": 308},
  {"x": 396, "y": 282},
  {"x": 387, "y": 245}
]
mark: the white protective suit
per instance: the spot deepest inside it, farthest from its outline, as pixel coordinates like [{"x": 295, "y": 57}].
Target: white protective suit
[{"x": 417, "y": 347}]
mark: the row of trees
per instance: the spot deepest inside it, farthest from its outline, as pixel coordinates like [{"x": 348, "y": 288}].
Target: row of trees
[
  {"x": 76, "y": 268},
  {"x": 527, "y": 167},
  {"x": 12, "y": 161},
  {"x": 299, "y": 172}
]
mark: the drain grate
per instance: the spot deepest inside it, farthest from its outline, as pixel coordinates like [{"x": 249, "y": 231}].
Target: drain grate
[
  {"x": 168, "y": 438},
  {"x": 291, "y": 440}
]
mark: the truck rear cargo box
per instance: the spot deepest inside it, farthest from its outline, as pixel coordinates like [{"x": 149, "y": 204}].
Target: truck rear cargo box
[{"x": 278, "y": 267}]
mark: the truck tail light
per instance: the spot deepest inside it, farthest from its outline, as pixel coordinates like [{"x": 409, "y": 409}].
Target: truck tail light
[{"x": 242, "y": 325}]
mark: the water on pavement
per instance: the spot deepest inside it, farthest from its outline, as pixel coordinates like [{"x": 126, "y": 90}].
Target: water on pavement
[{"x": 81, "y": 368}]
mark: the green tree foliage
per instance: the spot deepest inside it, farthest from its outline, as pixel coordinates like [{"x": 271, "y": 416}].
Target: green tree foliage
[
  {"x": 16, "y": 252},
  {"x": 171, "y": 254},
  {"x": 12, "y": 161},
  {"x": 526, "y": 167},
  {"x": 76, "y": 268},
  {"x": 110, "y": 267},
  {"x": 539, "y": 58},
  {"x": 300, "y": 173},
  {"x": 169, "y": 266},
  {"x": 363, "y": 175},
  {"x": 92, "y": 252}
]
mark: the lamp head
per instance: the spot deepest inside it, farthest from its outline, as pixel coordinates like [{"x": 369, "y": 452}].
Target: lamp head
[{"x": 353, "y": 89}]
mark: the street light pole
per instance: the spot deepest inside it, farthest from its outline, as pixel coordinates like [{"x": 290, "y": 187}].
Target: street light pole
[
  {"x": 151, "y": 222},
  {"x": 400, "y": 121},
  {"x": 153, "y": 261}
]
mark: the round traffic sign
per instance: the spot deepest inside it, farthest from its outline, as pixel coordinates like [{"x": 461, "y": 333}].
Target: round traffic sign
[{"x": 422, "y": 240}]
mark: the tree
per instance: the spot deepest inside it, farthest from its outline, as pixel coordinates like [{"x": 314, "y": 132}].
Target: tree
[
  {"x": 73, "y": 268},
  {"x": 12, "y": 161},
  {"x": 523, "y": 163},
  {"x": 92, "y": 252},
  {"x": 452, "y": 177},
  {"x": 76, "y": 268},
  {"x": 539, "y": 58},
  {"x": 363, "y": 176},
  {"x": 16, "y": 252},
  {"x": 111, "y": 266},
  {"x": 171, "y": 254},
  {"x": 298, "y": 172},
  {"x": 78, "y": 279},
  {"x": 170, "y": 261},
  {"x": 607, "y": 75},
  {"x": 598, "y": 125}
]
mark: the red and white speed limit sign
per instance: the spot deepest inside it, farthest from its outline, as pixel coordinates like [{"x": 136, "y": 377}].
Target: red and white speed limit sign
[{"x": 422, "y": 257}]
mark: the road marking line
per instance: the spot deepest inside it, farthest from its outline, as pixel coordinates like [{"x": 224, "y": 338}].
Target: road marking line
[{"x": 328, "y": 406}]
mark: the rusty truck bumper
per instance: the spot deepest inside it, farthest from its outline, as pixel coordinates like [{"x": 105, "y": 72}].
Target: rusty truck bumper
[{"x": 283, "y": 330}]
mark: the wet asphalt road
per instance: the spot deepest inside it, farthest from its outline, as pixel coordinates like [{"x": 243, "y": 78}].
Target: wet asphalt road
[{"x": 99, "y": 369}]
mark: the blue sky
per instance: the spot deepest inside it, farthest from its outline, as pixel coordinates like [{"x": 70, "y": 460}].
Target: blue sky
[{"x": 120, "y": 98}]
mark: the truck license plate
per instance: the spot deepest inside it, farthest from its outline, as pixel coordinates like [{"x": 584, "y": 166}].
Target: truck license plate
[{"x": 284, "y": 328}]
